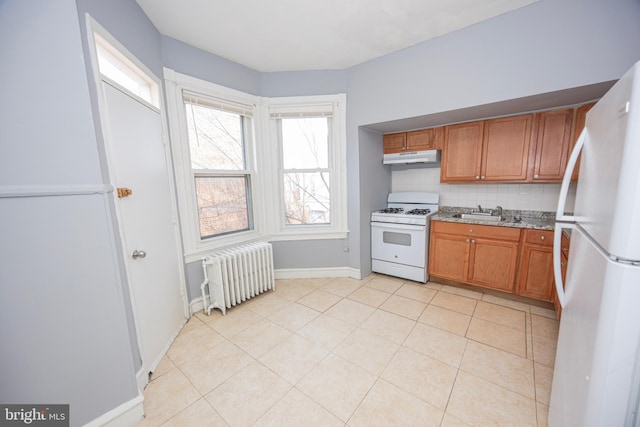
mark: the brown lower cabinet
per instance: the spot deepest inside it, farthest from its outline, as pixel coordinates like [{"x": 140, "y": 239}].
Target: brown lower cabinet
[
  {"x": 564, "y": 259},
  {"x": 476, "y": 254},
  {"x": 535, "y": 274},
  {"x": 513, "y": 260}
]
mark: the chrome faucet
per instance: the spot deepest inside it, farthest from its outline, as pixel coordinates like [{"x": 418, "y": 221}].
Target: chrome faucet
[
  {"x": 479, "y": 209},
  {"x": 499, "y": 209}
]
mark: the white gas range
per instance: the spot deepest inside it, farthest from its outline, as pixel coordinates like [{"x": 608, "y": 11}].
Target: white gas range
[{"x": 400, "y": 235}]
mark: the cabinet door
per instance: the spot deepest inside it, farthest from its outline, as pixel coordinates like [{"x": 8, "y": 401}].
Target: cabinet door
[
  {"x": 553, "y": 136},
  {"x": 448, "y": 256},
  {"x": 462, "y": 152},
  {"x": 505, "y": 153},
  {"x": 421, "y": 140},
  {"x": 394, "y": 143},
  {"x": 536, "y": 272},
  {"x": 580, "y": 120},
  {"x": 564, "y": 259},
  {"x": 439, "y": 137},
  {"x": 492, "y": 264}
]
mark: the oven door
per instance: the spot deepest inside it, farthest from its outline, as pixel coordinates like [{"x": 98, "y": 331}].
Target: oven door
[{"x": 399, "y": 243}]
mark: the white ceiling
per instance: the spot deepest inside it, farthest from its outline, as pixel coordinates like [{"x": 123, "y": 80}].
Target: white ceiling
[{"x": 295, "y": 35}]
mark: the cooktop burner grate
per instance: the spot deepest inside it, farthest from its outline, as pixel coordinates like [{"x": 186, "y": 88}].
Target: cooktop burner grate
[
  {"x": 391, "y": 210},
  {"x": 419, "y": 212}
]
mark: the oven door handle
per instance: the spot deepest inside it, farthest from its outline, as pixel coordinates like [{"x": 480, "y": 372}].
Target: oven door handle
[{"x": 393, "y": 225}]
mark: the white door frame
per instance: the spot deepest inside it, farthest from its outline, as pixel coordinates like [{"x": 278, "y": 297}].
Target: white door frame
[{"x": 93, "y": 26}]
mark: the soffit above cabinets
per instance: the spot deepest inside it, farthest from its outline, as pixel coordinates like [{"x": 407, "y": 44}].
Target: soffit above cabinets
[
  {"x": 545, "y": 101},
  {"x": 296, "y": 35}
]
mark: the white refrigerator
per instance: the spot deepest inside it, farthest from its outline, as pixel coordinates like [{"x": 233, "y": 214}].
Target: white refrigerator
[{"x": 596, "y": 379}]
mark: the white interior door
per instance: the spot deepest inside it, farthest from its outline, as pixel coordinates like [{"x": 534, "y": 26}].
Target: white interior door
[{"x": 137, "y": 161}]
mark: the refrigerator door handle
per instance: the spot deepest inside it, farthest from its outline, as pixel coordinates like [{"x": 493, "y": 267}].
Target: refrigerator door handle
[
  {"x": 566, "y": 180},
  {"x": 557, "y": 268}
]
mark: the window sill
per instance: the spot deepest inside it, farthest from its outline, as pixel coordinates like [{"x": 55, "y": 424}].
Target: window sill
[{"x": 310, "y": 236}]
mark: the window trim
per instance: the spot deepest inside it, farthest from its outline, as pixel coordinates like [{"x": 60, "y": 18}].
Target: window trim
[
  {"x": 263, "y": 162},
  {"x": 194, "y": 246},
  {"x": 329, "y": 105}
]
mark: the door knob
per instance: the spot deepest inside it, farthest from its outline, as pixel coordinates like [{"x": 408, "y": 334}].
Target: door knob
[{"x": 138, "y": 254}]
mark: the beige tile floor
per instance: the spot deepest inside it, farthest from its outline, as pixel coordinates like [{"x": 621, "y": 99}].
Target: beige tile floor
[{"x": 374, "y": 352}]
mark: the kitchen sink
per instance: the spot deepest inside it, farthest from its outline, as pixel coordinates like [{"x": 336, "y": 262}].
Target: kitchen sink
[{"x": 480, "y": 217}]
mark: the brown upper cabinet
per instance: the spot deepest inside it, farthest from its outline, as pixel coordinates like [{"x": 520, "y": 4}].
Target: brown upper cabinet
[
  {"x": 462, "y": 152},
  {"x": 505, "y": 152},
  {"x": 525, "y": 148},
  {"x": 426, "y": 139},
  {"x": 395, "y": 142},
  {"x": 488, "y": 150},
  {"x": 552, "y": 144}
]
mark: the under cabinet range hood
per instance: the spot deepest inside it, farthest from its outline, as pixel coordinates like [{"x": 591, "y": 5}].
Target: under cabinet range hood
[{"x": 426, "y": 156}]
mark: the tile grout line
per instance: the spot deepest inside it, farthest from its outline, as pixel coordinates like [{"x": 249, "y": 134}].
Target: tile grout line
[{"x": 355, "y": 327}]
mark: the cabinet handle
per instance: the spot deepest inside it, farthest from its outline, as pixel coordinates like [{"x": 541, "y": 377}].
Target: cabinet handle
[
  {"x": 482, "y": 177},
  {"x": 563, "y": 264},
  {"x": 541, "y": 237},
  {"x": 477, "y": 176},
  {"x": 565, "y": 249},
  {"x": 535, "y": 176},
  {"x": 473, "y": 241},
  {"x": 471, "y": 230},
  {"x": 468, "y": 240}
]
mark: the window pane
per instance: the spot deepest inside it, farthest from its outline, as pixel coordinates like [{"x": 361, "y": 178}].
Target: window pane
[
  {"x": 306, "y": 198},
  {"x": 305, "y": 143},
  {"x": 223, "y": 206},
  {"x": 116, "y": 66},
  {"x": 215, "y": 138}
]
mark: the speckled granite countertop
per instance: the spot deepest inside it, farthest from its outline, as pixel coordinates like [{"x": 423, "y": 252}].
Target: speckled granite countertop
[{"x": 537, "y": 220}]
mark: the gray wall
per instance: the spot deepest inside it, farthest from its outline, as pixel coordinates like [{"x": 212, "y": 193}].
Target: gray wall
[
  {"x": 303, "y": 83},
  {"x": 374, "y": 185},
  {"x": 63, "y": 308},
  {"x": 195, "y": 62},
  {"x": 549, "y": 46}
]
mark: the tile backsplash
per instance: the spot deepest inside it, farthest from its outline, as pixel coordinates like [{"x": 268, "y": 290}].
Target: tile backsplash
[{"x": 539, "y": 197}]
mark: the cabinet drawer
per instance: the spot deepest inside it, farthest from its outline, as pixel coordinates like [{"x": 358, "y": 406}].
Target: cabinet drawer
[
  {"x": 539, "y": 237},
  {"x": 486, "y": 231}
]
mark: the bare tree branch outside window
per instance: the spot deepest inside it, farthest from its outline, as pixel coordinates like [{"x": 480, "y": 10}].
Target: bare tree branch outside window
[
  {"x": 216, "y": 145},
  {"x": 306, "y": 176}
]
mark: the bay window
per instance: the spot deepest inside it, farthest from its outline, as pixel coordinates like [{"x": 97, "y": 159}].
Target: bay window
[{"x": 250, "y": 168}]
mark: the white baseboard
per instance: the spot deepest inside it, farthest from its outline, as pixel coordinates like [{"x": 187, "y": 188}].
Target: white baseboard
[
  {"x": 313, "y": 273},
  {"x": 126, "y": 415},
  {"x": 196, "y": 305},
  {"x": 142, "y": 379}
]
